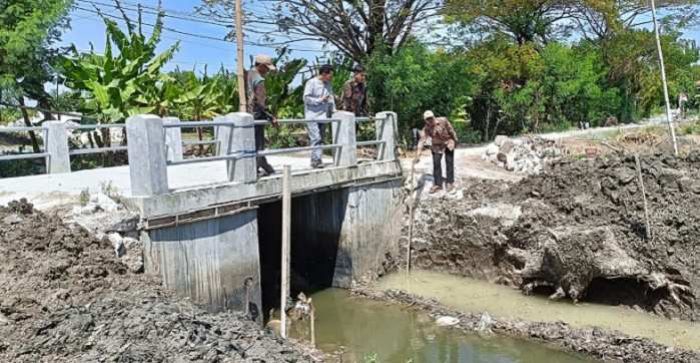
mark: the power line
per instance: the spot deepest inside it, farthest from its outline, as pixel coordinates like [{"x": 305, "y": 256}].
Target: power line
[{"x": 201, "y": 36}]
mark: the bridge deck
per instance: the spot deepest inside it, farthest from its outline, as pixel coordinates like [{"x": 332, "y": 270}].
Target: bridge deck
[{"x": 51, "y": 190}]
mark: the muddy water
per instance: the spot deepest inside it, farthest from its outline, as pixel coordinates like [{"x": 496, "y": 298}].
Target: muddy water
[
  {"x": 471, "y": 295},
  {"x": 369, "y": 331}
]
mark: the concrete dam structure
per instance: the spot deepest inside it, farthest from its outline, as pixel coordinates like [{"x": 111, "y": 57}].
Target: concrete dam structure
[{"x": 220, "y": 244}]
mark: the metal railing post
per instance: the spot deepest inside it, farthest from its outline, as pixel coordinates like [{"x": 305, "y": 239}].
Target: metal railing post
[
  {"x": 56, "y": 145},
  {"x": 240, "y": 139},
  {"x": 173, "y": 139},
  {"x": 344, "y": 135},
  {"x": 386, "y": 131},
  {"x": 148, "y": 166}
]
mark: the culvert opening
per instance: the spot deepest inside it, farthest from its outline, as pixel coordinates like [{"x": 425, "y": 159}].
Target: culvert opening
[
  {"x": 618, "y": 291},
  {"x": 315, "y": 235}
]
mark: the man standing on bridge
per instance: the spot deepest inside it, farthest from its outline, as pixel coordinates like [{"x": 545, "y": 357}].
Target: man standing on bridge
[
  {"x": 257, "y": 106},
  {"x": 444, "y": 141},
  {"x": 319, "y": 104},
  {"x": 354, "y": 96}
]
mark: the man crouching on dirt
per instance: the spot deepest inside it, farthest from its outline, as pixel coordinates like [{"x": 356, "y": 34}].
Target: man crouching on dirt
[{"x": 444, "y": 140}]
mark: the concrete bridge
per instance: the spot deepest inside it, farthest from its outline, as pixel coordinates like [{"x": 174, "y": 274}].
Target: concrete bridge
[{"x": 218, "y": 241}]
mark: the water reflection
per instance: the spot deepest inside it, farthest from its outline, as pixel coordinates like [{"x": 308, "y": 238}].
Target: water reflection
[{"x": 362, "y": 328}]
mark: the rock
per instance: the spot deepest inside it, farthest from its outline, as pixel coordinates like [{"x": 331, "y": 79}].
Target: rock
[
  {"x": 500, "y": 139},
  {"x": 125, "y": 225},
  {"x": 117, "y": 243},
  {"x": 446, "y": 321},
  {"x": 492, "y": 149},
  {"x": 12, "y": 219},
  {"x": 485, "y": 323}
]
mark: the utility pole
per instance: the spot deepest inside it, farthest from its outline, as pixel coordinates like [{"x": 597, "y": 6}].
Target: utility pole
[
  {"x": 669, "y": 119},
  {"x": 239, "y": 60}
]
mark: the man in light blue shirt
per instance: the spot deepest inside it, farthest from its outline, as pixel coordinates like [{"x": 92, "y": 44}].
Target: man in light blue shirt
[{"x": 319, "y": 103}]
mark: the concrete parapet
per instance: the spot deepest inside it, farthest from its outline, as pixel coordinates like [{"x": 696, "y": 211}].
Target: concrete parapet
[
  {"x": 344, "y": 134},
  {"x": 386, "y": 124},
  {"x": 238, "y": 138},
  {"x": 147, "y": 160},
  {"x": 56, "y": 144},
  {"x": 173, "y": 139}
]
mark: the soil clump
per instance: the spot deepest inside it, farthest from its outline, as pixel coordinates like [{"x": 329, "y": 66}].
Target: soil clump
[
  {"x": 67, "y": 297},
  {"x": 579, "y": 231}
]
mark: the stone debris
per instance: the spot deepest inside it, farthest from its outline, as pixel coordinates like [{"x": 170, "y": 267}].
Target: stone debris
[
  {"x": 527, "y": 156},
  {"x": 446, "y": 321}
]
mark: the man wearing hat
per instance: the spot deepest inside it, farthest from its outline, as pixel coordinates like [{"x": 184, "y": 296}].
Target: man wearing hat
[
  {"x": 354, "y": 96},
  {"x": 444, "y": 141},
  {"x": 257, "y": 105}
]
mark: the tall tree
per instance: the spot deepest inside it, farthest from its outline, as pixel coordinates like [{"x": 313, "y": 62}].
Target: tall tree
[
  {"x": 522, "y": 20},
  {"x": 601, "y": 19},
  {"x": 357, "y": 28},
  {"x": 28, "y": 28}
]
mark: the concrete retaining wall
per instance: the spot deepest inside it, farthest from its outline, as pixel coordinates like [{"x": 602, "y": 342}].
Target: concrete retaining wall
[{"x": 209, "y": 261}]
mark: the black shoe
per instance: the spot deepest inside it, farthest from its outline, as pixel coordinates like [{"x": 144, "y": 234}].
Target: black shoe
[{"x": 317, "y": 164}]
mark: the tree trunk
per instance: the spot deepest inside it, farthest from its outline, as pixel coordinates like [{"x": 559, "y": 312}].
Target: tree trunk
[{"x": 28, "y": 123}]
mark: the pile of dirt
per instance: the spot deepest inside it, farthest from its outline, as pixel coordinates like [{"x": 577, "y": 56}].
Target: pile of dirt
[
  {"x": 578, "y": 231},
  {"x": 65, "y": 296},
  {"x": 528, "y": 155}
]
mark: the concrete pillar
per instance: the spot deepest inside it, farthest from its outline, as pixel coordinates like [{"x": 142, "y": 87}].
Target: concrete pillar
[
  {"x": 147, "y": 161},
  {"x": 241, "y": 139},
  {"x": 56, "y": 144},
  {"x": 344, "y": 134},
  {"x": 386, "y": 131},
  {"x": 173, "y": 139}
]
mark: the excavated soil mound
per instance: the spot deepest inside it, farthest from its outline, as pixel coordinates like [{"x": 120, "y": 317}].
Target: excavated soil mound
[
  {"x": 577, "y": 231},
  {"x": 65, "y": 297}
]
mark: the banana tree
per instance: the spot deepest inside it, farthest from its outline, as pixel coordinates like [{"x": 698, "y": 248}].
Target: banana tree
[{"x": 124, "y": 83}]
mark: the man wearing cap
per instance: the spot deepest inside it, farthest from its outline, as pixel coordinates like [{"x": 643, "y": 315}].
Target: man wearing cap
[
  {"x": 257, "y": 106},
  {"x": 444, "y": 140},
  {"x": 354, "y": 95},
  {"x": 319, "y": 103}
]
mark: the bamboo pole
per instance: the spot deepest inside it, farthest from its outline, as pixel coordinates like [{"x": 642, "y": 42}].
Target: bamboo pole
[
  {"x": 669, "y": 119},
  {"x": 239, "y": 61},
  {"x": 286, "y": 231},
  {"x": 411, "y": 217}
]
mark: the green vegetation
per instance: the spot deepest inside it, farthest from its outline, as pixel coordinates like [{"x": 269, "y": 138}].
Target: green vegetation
[{"x": 522, "y": 66}]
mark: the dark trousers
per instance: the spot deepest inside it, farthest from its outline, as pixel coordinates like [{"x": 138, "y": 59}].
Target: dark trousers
[
  {"x": 449, "y": 165},
  {"x": 260, "y": 145}
]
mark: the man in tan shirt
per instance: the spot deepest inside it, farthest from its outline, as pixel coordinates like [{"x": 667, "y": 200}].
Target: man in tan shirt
[{"x": 444, "y": 141}]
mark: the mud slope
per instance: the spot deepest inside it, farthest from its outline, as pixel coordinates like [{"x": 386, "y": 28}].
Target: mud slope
[
  {"x": 64, "y": 297},
  {"x": 577, "y": 231}
]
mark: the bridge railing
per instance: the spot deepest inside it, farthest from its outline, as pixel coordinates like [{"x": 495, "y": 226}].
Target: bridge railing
[
  {"x": 149, "y": 136},
  {"x": 56, "y": 151}
]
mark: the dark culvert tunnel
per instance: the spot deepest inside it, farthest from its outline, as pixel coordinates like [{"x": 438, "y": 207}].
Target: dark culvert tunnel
[{"x": 315, "y": 239}]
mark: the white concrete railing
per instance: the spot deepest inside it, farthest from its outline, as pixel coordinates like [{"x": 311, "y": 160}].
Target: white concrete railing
[
  {"x": 56, "y": 151},
  {"x": 155, "y": 143}
]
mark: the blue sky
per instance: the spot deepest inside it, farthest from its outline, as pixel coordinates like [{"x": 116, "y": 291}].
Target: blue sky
[{"x": 87, "y": 27}]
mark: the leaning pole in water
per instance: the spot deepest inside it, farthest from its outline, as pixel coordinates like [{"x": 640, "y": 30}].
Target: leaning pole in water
[{"x": 669, "y": 119}]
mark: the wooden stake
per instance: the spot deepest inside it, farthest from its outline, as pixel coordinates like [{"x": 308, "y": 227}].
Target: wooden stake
[
  {"x": 644, "y": 196},
  {"x": 410, "y": 222},
  {"x": 663, "y": 80},
  {"x": 313, "y": 323},
  {"x": 242, "y": 107},
  {"x": 286, "y": 231}
]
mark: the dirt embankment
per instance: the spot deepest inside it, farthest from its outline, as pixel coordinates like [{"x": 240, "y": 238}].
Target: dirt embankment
[
  {"x": 577, "y": 231},
  {"x": 65, "y": 297}
]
